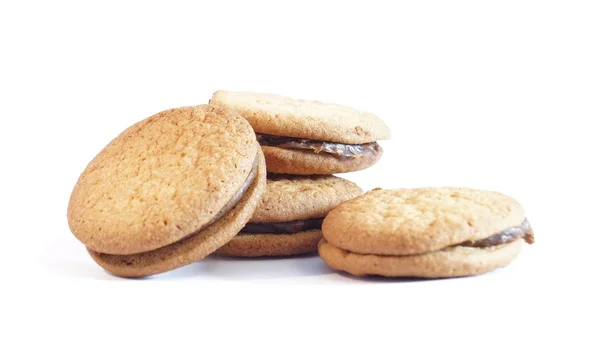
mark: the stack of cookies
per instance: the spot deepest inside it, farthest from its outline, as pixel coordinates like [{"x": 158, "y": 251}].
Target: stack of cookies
[
  {"x": 252, "y": 175},
  {"x": 304, "y": 143}
]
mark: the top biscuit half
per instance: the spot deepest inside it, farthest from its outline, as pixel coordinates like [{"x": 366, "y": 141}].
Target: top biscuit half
[
  {"x": 281, "y": 116},
  {"x": 290, "y": 198}
]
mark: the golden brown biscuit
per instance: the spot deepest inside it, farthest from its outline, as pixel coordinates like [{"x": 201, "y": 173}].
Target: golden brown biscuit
[
  {"x": 165, "y": 180},
  {"x": 308, "y": 137},
  {"x": 288, "y": 220},
  {"x": 255, "y": 245},
  {"x": 303, "y": 162},
  {"x": 290, "y": 197},
  {"x": 425, "y": 232},
  {"x": 283, "y": 116}
]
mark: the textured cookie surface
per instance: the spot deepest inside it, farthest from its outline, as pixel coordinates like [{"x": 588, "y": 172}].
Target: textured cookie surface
[
  {"x": 306, "y": 162},
  {"x": 162, "y": 179},
  {"x": 414, "y": 221},
  {"x": 449, "y": 262},
  {"x": 291, "y": 198},
  {"x": 282, "y": 116},
  {"x": 192, "y": 248},
  {"x": 254, "y": 245}
]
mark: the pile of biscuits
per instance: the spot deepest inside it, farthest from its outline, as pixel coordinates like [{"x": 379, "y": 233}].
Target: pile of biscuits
[{"x": 251, "y": 175}]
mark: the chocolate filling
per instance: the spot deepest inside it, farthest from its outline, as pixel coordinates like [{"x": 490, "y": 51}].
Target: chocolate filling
[
  {"x": 289, "y": 227},
  {"x": 523, "y": 231},
  {"x": 233, "y": 201},
  {"x": 239, "y": 194},
  {"x": 341, "y": 151}
]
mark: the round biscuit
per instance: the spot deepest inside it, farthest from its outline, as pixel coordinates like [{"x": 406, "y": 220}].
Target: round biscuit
[
  {"x": 255, "y": 245},
  {"x": 415, "y": 221},
  {"x": 283, "y": 116},
  {"x": 162, "y": 179},
  {"x": 449, "y": 262},
  {"x": 290, "y": 198}
]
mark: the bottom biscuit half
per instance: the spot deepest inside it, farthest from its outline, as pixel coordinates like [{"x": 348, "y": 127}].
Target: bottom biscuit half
[
  {"x": 450, "y": 262},
  {"x": 255, "y": 245},
  {"x": 303, "y": 162}
]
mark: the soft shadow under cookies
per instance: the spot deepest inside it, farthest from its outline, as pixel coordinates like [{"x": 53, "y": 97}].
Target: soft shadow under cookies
[{"x": 265, "y": 267}]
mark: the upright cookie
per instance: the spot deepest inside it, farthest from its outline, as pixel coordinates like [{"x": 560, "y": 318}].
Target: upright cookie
[
  {"x": 168, "y": 191},
  {"x": 425, "y": 232},
  {"x": 288, "y": 220},
  {"x": 309, "y": 137}
]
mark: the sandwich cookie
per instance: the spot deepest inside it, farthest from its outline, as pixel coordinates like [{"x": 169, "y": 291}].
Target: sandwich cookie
[
  {"x": 168, "y": 191},
  {"x": 426, "y": 232},
  {"x": 288, "y": 220},
  {"x": 309, "y": 137}
]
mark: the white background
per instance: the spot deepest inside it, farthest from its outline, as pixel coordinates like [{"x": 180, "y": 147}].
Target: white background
[{"x": 492, "y": 95}]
